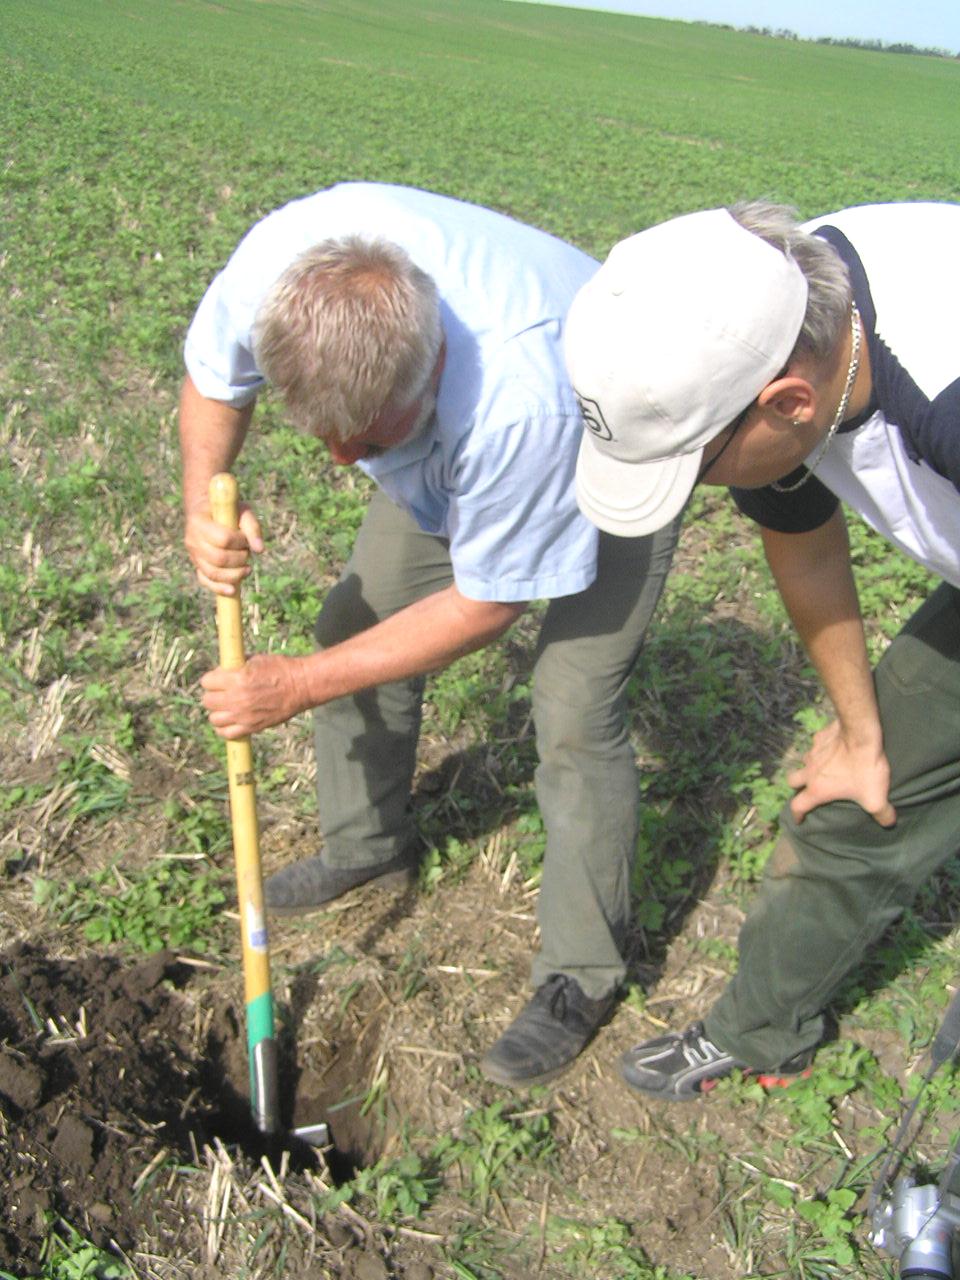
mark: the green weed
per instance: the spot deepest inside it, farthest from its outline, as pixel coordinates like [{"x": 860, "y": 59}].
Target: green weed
[
  {"x": 493, "y": 1143},
  {"x": 96, "y": 790},
  {"x": 890, "y": 585},
  {"x": 397, "y": 1189},
  {"x": 607, "y": 1248},
  {"x": 68, "y": 1256},
  {"x": 810, "y": 1103},
  {"x": 170, "y": 904},
  {"x": 830, "y": 1216}
]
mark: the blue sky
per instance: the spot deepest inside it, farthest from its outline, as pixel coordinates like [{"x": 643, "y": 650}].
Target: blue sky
[{"x": 925, "y": 23}]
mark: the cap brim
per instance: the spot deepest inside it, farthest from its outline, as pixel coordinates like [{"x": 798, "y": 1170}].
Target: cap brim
[{"x": 631, "y": 499}]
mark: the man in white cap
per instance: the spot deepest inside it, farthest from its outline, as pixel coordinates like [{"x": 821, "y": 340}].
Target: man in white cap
[
  {"x": 420, "y": 338},
  {"x": 801, "y": 365}
]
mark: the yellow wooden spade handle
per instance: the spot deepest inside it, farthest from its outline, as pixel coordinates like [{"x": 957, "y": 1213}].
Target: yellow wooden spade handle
[{"x": 261, "y": 1042}]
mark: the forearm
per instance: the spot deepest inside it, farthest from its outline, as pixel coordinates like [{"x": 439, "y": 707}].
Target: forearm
[
  {"x": 211, "y": 436},
  {"x": 813, "y": 574},
  {"x": 426, "y": 636}
]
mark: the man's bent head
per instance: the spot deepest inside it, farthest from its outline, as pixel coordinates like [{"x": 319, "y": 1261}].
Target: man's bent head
[
  {"x": 350, "y": 331},
  {"x": 676, "y": 335}
]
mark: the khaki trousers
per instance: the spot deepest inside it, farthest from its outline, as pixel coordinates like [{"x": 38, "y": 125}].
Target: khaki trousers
[
  {"x": 837, "y": 880},
  {"x": 586, "y": 781}
]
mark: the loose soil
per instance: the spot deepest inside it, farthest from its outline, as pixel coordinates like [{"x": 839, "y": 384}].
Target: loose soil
[
  {"x": 123, "y": 1094},
  {"x": 96, "y": 1077},
  {"x": 107, "y": 1077}
]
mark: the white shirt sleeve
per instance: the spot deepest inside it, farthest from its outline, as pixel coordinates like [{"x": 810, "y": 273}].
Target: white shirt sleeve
[
  {"x": 515, "y": 531},
  {"x": 218, "y": 349}
]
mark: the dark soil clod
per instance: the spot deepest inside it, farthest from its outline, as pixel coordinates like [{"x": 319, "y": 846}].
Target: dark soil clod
[{"x": 108, "y": 1080}]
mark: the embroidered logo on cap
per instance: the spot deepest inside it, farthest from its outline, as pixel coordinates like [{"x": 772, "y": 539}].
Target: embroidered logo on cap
[{"x": 593, "y": 418}]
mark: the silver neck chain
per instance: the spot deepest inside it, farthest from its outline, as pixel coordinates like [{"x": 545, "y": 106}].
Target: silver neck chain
[{"x": 841, "y": 407}]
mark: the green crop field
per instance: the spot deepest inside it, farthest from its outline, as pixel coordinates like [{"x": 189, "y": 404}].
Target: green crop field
[{"x": 140, "y": 139}]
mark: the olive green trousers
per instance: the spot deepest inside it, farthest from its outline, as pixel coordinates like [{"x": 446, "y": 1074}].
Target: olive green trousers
[
  {"x": 837, "y": 880},
  {"x": 586, "y": 781}
]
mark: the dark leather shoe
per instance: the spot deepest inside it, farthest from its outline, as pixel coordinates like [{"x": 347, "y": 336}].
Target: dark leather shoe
[
  {"x": 547, "y": 1035},
  {"x": 308, "y": 885}
]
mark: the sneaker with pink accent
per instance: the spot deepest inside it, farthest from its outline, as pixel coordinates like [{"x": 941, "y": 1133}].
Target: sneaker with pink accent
[{"x": 682, "y": 1065}]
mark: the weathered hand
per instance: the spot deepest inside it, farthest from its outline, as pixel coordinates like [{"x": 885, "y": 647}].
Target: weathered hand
[
  {"x": 221, "y": 556},
  {"x": 266, "y": 691},
  {"x": 833, "y": 769}
]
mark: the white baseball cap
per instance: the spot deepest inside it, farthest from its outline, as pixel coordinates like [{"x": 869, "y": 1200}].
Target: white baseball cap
[{"x": 676, "y": 334}]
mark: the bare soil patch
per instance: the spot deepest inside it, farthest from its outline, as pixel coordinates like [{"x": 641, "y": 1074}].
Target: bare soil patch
[{"x": 96, "y": 1076}]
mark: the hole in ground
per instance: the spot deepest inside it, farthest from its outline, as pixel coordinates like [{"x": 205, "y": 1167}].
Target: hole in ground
[{"x": 100, "y": 1071}]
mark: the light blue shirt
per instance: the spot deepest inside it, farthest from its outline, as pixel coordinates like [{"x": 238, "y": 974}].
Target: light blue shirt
[{"x": 494, "y": 472}]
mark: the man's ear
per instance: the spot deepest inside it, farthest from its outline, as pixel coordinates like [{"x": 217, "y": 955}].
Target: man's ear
[
  {"x": 791, "y": 396},
  {"x": 438, "y": 366}
]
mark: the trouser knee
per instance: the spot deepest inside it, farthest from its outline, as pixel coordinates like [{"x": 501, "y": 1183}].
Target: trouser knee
[
  {"x": 344, "y": 613},
  {"x": 576, "y": 725}
]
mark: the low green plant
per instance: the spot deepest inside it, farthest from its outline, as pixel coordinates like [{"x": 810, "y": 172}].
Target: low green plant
[
  {"x": 67, "y": 1255},
  {"x": 401, "y": 1188},
  {"x": 477, "y": 691},
  {"x": 397, "y": 1189},
  {"x": 493, "y": 1143},
  {"x": 96, "y": 791},
  {"x": 410, "y": 968},
  {"x": 170, "y": 904},
  {"x": 532, "y": 841},
  {"x": 747, "y": 842},
  {"x": 830, "y": 1216},
  {"x": 606, "y": 1248},
  {"x": 198, "y": 821},
  {"x": 288, "y": 604},
  {"x": 431, "y": 870},
  {"x": 890, "y": 585},
  {"x": 474, "y": 1252},
  {"x": 20, "y": 796},
  {"x": 449, "y": 857},
  {"x": 810, "y": 1103},
  {"x": 661, "y": 877}
]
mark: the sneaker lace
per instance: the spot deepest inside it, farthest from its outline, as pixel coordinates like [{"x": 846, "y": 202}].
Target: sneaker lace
[
  {"x": 557, "y": 999},
  {"x": 694, "y": 1034},
  {"x": 696, "y": 1041}
]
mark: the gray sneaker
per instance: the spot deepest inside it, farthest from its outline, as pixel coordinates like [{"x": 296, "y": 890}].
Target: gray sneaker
[
  {"x": 682, "y": 1065},
  {"x": 547, "y": 1034},
  {"x": 310, "y": 884}
]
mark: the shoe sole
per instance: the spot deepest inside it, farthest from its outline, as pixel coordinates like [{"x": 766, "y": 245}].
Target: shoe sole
[
  {"x": 524, "y": 1082},
  {"x": 390, "y": 880},
  {"x": 766, "y": 1080}
]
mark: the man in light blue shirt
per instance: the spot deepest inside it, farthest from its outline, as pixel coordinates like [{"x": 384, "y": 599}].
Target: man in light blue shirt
[{"x": 420, "y": 338}]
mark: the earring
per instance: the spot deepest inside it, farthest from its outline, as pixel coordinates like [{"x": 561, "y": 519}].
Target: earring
[{"x": 795, "y": 422}]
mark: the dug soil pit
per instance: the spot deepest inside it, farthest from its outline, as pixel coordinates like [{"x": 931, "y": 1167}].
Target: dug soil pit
[{"x": 109, "y": 1078}]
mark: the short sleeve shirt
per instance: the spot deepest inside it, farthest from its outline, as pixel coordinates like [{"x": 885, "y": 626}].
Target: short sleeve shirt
[{"x": 494, "y": 472}]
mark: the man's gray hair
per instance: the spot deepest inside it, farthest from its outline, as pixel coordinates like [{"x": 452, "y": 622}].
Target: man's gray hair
[
  {"x": 828, "y": 282},
  {"x": 350, "y": 329}
]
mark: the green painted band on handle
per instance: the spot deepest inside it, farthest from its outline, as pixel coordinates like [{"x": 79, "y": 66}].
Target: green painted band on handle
[
  {"x": 260, "y": 1019},
  {"x": 261, "y": 1058}
]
